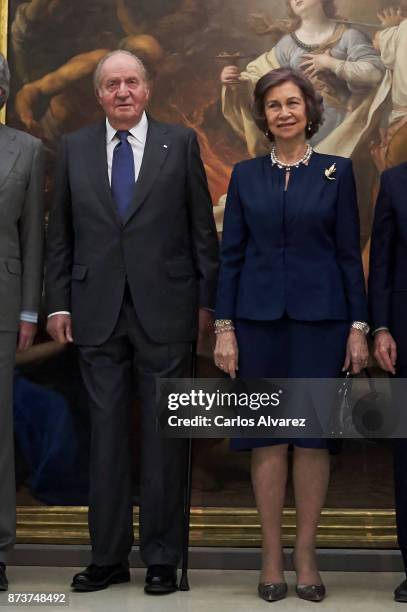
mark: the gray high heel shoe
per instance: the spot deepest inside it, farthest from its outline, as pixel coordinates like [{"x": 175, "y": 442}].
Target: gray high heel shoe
[
  {"x": 311, "y": 592},
  {"x": 272, "y": 591}
]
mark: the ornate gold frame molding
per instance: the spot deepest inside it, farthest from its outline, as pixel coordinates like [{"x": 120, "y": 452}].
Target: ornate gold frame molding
[
  {"x": 3, "y": 41},
  {"x": 231, "y": 527},
  {"x": 3, "y": 25}
]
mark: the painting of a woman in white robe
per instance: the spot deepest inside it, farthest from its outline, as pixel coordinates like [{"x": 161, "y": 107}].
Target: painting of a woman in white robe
[{"x": 339, "y": 59}]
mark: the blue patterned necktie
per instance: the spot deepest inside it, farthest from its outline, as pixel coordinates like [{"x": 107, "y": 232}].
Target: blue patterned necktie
[{"x": 123, "y": 177}]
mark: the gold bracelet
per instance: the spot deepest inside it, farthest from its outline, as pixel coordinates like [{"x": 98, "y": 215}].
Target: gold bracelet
[
  {"x": 223, "y": 325},
  {"x": 222, "y": 322}
]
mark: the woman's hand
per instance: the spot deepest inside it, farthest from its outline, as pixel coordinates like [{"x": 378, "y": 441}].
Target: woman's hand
[
  {"x": 385, "y": 351},
  {"x": 226, "y": 353},
  {"x": 313, "y": 64},
  {"x": 357, "y": 352},
  {"x": 230, "y": 75}
]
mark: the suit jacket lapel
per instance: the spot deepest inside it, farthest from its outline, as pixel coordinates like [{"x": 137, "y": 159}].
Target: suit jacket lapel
[
  {"x": 155, "y": 153},
  {"x": 9, "y": 152},
  {"x": 96, "y": 160}
]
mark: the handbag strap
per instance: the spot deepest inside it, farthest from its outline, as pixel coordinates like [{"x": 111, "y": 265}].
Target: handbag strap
[{"x": 369, "y": 377}]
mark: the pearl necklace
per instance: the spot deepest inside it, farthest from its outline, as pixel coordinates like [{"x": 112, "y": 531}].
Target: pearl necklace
[{"x": 304, "y": 159}]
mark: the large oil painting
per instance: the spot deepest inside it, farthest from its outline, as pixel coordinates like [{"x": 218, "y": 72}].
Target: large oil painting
[{"x": 53, "y": 49}]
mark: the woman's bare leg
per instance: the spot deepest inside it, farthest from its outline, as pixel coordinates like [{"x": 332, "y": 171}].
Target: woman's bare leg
[
  {"x": 269, "y": 478},
  {"x": 311, "y": 478}
]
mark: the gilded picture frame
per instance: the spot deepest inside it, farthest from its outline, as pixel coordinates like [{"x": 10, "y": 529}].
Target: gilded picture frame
[{"x": 349, "y": 527}]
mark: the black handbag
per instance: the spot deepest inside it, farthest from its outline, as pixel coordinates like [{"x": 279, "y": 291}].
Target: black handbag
[
  {"x": 375, "y": 414},
  {"x": 371, "y": 416}
]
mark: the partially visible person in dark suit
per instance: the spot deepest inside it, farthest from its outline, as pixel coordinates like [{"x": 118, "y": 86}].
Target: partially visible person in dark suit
[
  {"x": 21, "y": 260},
  {"x": 388, "y": 308},
  {"x": 132, "y": 257},
  {"x": 291, "y": 302}
]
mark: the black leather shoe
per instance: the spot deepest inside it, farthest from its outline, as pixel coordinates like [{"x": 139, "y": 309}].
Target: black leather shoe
[
  {"x": 3, "y": 578},
  {"x": 161, "y": 580},
  {"x": 400, "y": 594},
  {"x": 98, "y": 577}
]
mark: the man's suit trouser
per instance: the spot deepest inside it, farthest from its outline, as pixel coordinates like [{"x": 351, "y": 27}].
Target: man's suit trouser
[
  {"x": 400, "y": 478},
  {"x": 7, "y": 478},
  {"x": 109, "y": 372}
]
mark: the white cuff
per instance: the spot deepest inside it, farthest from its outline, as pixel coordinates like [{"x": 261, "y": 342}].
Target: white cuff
[
  {"x": 29, "y": 316},
  {"x": 58, "y": 312}
]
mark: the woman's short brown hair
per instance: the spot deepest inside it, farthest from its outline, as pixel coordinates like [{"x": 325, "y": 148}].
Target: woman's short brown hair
[{"x": 313, "y": 100}]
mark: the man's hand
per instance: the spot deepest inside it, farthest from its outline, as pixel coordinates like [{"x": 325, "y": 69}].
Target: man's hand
[
  {"x": 205, "y": 329},
  {"x": 25, "y": 104},
  {"x": 59, "y": 327},
  {"x": 357, "y": 352},
  {"x": 26, "y": 335},
  {"x": 385, "y": 351},
  {"x": 390, "y": 17}
]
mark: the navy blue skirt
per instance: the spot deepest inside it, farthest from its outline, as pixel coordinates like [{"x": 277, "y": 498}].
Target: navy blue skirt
[{"x": 287, "y": 348}]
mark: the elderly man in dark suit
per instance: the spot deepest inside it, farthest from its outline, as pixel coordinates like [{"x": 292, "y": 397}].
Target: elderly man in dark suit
[
  {"x": 388, "y": 306},
  {"x": 132, "y": 257},
  {"x": 21, "y": 251}
]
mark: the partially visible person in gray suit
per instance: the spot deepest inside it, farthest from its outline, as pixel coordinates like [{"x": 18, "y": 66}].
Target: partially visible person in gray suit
[{"x": 21, "y": 267}]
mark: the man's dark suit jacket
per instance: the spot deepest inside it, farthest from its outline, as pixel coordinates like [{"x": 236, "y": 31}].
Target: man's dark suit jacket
[
  {"x": 294, "y": 252},
  {"x": 388, "y": 259},
  {"x": 166, "y": 250}
]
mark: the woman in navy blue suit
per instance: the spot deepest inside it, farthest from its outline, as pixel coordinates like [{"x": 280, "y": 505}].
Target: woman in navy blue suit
[{"x": 291, "y": 302}]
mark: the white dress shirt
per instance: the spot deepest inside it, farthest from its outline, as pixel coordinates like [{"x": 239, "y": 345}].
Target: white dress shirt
[{"x": 137, "y": 140}]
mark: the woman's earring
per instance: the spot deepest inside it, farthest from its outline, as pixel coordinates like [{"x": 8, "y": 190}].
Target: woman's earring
[
  {"x": 309, "y": 127},
  {"x": 267, "y": 133}
]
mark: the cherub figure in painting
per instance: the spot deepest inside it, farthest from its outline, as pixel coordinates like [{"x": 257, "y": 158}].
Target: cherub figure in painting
[{"x": 61, "y": 100}]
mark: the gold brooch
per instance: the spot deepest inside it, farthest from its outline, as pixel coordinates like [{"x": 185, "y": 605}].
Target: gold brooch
[{"x": 329, "y": 172}]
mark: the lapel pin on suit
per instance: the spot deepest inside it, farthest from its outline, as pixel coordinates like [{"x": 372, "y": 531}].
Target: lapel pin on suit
[
  {"x": 329, "y": 172},
  {"x": 165, "y": 146}
]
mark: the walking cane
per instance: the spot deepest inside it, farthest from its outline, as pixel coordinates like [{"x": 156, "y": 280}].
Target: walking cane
[{"x": 183, "y": 583}]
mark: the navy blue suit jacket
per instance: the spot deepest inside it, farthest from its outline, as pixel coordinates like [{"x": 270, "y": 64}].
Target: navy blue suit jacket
[
  {"x": 294, "y": 252},
  {"x": 388, "y": 258}
]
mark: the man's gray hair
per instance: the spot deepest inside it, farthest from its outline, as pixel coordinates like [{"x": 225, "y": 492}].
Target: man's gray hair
[
  {"x": 98, "y": 70},
  {"x": 4, "y": 80}
]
